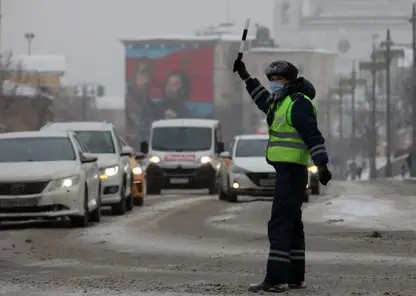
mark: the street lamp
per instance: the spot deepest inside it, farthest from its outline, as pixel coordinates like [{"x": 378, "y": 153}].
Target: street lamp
[
  {"x": 340, "y": 91},
  {"x": 29, "y": 37},
  {"x": 413, "y": 150},
  {"x": 373, "y": 67},
  {"x": 389, "y": 54},
  {"x": 352, "y": 82}
]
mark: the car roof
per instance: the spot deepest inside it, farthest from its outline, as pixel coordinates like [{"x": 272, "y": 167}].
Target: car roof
[
  {"x": 79, "y": 126},
  {"x": 251, "y": 137},
  {"x": 186, "y": 122},
  {"x": 35, "y": 134}
]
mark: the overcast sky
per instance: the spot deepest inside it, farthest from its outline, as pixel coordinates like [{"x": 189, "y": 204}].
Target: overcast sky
[{"x": 88, "y": 31}]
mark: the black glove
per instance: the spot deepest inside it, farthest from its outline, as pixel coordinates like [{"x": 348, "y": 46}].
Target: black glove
[
  {"x": 240, "y": 68},
  {"x": 324, "y": 175}
]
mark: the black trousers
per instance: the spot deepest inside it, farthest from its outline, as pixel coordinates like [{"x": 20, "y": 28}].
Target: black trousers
[{"x": 286, "y": 262}]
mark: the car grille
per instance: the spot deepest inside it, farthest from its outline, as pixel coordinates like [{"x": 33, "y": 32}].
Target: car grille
[
  {"x": 179, "y": 172},
  {"x": 24, "y": 188},
  {"x": 257, "y": 178}
]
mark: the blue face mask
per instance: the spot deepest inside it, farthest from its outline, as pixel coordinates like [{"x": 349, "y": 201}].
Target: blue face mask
[{"x": 275, "y": 86}]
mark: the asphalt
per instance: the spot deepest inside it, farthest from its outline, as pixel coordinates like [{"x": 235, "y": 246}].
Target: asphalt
[{"x": 190, "y": 243}]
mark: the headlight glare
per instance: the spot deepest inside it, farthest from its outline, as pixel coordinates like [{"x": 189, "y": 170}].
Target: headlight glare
[
  {"x": 313, "y": 169},
  {"x": 63, "y": 183},
  {"x": 109, "y": 172},
  {"x": 205, "y": 159},
  {"x": 154, "y": 159},
  {"x": 137, "y": 170}
]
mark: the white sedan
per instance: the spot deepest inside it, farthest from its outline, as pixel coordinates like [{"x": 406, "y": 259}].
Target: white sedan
[
  {"x": 45, "y": 174},
  {"x": 245, "y": 171}
]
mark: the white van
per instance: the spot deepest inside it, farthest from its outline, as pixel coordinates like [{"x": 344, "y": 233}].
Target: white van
[{"x": 183, "y": 154}]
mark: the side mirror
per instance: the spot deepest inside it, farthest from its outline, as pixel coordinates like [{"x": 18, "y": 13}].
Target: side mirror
[
  {"x": 220, "y": 147},
  {"x": 87, "y": 158},
  {"x": 225, "y": 154},
  {"x": 126, "y": 151},
  {"x": 139, "y": 156},
  {"x": 144, "y": 147}
]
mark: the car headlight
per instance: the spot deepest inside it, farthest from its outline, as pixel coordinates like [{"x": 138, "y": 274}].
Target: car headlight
[
  {"x": 205, "y": 159},
  {"x": 154, "y": 159},
  {"x": 109, "y": 172},
  {"x": 63, "y": 183},
  {"x": 313, "y": 169},
  {"x": 137, "y": 170},
  {"x": 238, "y": 170}
]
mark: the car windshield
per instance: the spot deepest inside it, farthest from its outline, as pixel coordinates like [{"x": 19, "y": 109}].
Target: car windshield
[
  {"x": 181, "y": 139},
  {"x": 100, "y": 142},
  {"x": 36, "y": 149},
  {"x": 251, "y": 148}
]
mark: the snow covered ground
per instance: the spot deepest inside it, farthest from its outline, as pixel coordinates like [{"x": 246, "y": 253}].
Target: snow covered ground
[
  {"x": 381, "y": 161},
  {"x": 365, "y": 212}
]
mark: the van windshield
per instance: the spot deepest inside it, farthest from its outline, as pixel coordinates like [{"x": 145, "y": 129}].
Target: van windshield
[{"x": 181, "y": 139}]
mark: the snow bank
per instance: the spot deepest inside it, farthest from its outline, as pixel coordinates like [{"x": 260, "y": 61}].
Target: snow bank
[{"x": 359, "y": 211}]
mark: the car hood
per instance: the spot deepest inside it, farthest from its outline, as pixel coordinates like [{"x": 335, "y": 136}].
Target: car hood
[
  {"x": 35, "y": 171},
  {"x": 253, "y": 164},
  {"x": 106, "y": 160}
]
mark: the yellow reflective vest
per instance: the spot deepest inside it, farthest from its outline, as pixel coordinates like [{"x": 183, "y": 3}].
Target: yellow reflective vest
[{"x": 285, "y": 144}]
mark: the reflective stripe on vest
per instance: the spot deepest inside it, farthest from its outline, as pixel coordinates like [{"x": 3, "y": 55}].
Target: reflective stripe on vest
[{"x": 285, "y": 144}]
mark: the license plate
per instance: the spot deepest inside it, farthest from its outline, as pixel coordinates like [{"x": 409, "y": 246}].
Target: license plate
[
  {"x": 179, "y": 181},
  {"x": 267, "y": 182},
  {"x": 18, "y": 203}
]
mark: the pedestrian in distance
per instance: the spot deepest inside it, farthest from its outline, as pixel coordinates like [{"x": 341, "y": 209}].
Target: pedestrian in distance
[{"x": 294, "y": 137}]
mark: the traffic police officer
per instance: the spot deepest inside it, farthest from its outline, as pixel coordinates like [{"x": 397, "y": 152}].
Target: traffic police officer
[{"x": 293, "y": 138}]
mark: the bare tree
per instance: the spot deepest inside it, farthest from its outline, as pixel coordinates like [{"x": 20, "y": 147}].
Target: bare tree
[{"x": 23, "y": 106}]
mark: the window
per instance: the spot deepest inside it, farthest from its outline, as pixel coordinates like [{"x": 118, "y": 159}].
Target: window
[
  {"x": 36, "y": 149},
  {"x": 251, "y": 148},
  {"x": 181, "y": 139},
  {"x": 97, "y": 141}
]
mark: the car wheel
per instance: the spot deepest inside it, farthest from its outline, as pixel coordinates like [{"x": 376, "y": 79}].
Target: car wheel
[
  {"x": 315, "y": 190},
  {"x": 221, "y": 194},
  {"x": 138, "y": 201},
  {"x": 231, "y": 196},
  {"x": 130, "y": 203},
  {"x": 120, "y": 207},
  {"x": 152, "y": 189},
  {"x": 95, "y": 215},
  {"x": 214, "y": 187},
  {"x": 82, "y": 221}
]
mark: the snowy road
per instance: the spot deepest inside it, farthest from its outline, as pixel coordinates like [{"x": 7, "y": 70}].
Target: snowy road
[{"x": 361, "y": 241}]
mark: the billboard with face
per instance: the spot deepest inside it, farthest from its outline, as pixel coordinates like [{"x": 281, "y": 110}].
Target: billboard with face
[{"x": 167, "y": 80}]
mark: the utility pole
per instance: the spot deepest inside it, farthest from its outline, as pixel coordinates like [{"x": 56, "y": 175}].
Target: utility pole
[
  {"x": 29, "y": 37},
  {"x": 352, "y": 82},
  {"x": 389, "y": 54},
  {"x": 413, "y": 150},
  {"x": 340, "y": 91},
  {"x": 374, "y": 66}
]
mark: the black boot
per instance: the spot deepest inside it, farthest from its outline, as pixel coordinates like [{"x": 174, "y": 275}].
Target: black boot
[
  {"x": 277, "y": 288},
  {"x": 297, "y": 285}
]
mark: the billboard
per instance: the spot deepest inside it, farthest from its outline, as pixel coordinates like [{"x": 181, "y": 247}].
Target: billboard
[{"x": 163, "y": 81}]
